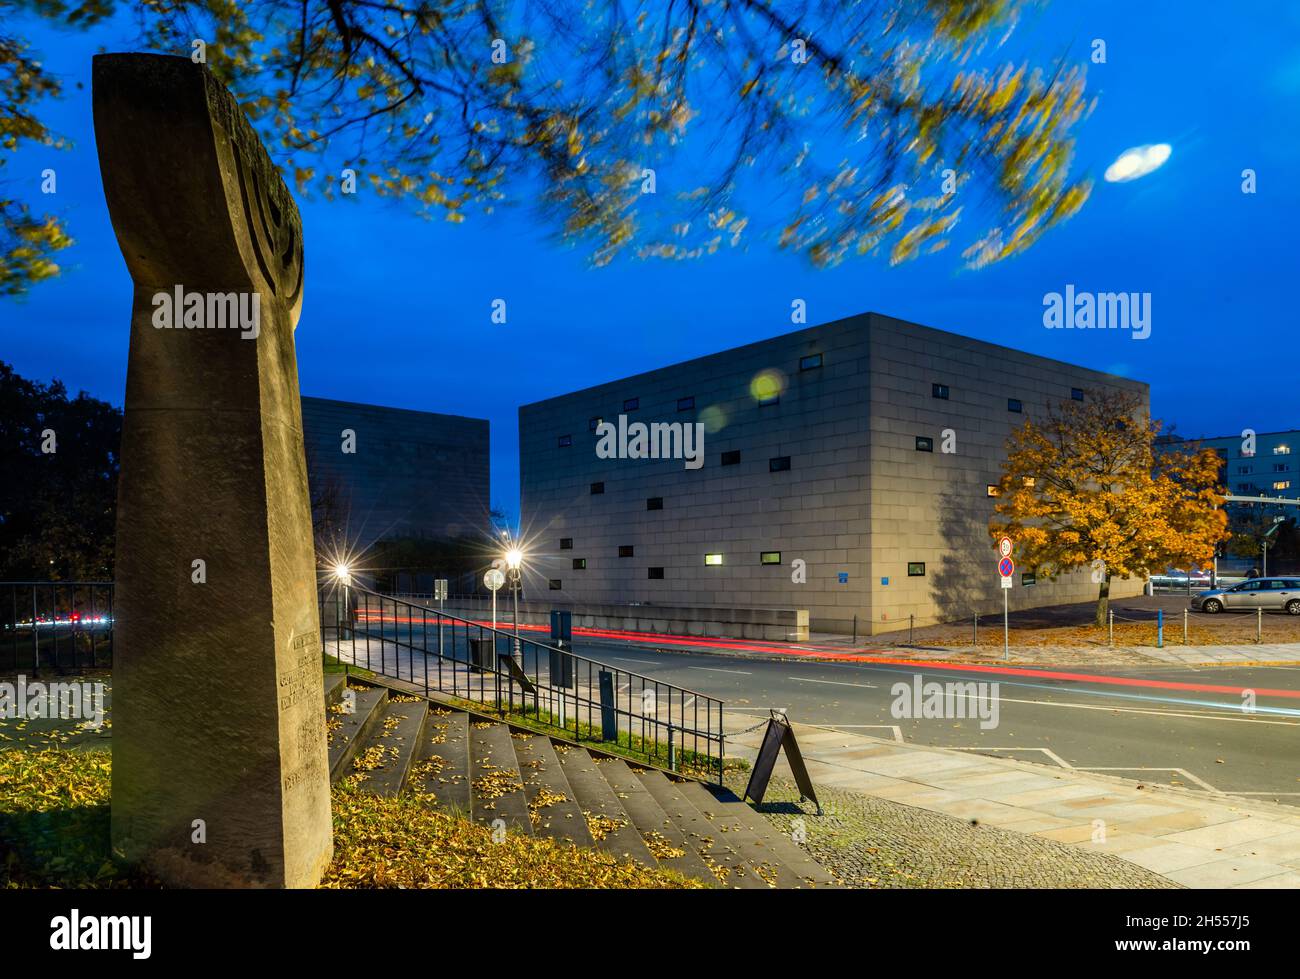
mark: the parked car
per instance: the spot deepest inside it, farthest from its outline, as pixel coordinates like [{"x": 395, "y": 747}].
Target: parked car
[{"x": 1279, "y": 594}]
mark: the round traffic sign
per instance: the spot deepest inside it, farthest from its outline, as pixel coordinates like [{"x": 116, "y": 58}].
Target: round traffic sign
[
  {"x": 1006, "y": 567},
  {"x": 1004, "y": 547},
  {"x": 494, "y": 579}
]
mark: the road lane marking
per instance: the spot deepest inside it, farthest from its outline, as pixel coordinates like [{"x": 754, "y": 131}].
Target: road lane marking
[
  {"x": 898, "y": 731},
  {"x": 1047, "y": 751},
  {"x": 1251, "y": 719},
  {"x": 710, "y": 669},
  {"x": 837, "y": 683},
  {"x": 625, "y": 659},
  {"x": 1142, "y": 768}
]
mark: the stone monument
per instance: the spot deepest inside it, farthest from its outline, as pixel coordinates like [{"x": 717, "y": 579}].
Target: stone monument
[{"x": 220, "y": 776}]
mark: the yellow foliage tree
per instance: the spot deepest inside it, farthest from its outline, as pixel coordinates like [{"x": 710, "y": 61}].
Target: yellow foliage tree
[{"x": 1085, "y": 487}]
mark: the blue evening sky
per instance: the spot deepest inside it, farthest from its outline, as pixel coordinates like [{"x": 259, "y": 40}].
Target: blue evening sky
[{"x": 397, "y": 308}]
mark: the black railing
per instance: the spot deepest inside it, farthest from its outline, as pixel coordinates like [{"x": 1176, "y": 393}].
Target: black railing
[
  {"x": 515, "y": 676},
  {"x": 55, "y": 626}
]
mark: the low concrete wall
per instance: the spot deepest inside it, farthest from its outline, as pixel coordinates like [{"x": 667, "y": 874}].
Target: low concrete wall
[{"x": 778, "y": 624}]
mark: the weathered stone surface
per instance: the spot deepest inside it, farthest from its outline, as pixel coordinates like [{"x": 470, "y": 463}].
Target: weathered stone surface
[{"x": 217, "y": 685}]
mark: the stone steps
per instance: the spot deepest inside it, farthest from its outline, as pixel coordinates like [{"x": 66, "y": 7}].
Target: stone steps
[{"x": 483, "y": 769}]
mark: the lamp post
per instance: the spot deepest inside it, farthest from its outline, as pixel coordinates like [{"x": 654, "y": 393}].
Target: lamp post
[
  {"x": 514, "y": 560},
  {"x": 344, "y": 575}
]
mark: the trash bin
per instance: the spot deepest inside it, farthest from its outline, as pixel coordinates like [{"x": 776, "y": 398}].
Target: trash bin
[{"x": 481, "y": 656}]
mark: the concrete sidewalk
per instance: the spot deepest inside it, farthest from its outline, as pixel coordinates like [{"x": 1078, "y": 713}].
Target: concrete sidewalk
[{"x": 1198, "y": 840}]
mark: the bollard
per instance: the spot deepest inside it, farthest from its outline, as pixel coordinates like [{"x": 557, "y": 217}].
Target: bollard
[
  {"x": 1259, "y": 623},
  {"x": 1160, "y": 628},
  {"x": 911, "y": 624},
  {"x": 855, "y": 630},
  {"x": 672, "y": 751},
  {"x": 975, "y": 631},
  {"x": 1184, "y": 627},
  {"x": 1110, "y": 632}
]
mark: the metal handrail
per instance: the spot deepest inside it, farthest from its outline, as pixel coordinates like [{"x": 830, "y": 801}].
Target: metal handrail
[
  {"x": 514, "y": 675},
  {"x": 55, "y": 626}
]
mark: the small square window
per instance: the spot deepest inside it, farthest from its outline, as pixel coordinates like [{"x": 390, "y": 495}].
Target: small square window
[
  {"x": 631, "y": 404},
  {"x": 555, "y": 584},
  {"x": 924, "y": 444},
  {"x": 1282, "y": 484},
  {"x": 654, "y": 573},
  {"x": 1030, "y": 481},
  {"x": 654, "y": 503},
  {"x": 770, "y": 557},
  {"x": 1013, "y": 404},
  {"x": 774, "y": 399},
  {"x": 810, "y": 362},
  {"x": 594, "y": 423},
  {"x": 566, "y": 543},
  {"x": 713, "y": 559},
  {"x": 779, "y": 464},
  {"x": 916, "y": 569},
  {"x": 597, "y": 489},
  {"x": 1281, "y": 450},
  {"x": 566, "y": 441},
  {"x": 686, "y": 404},
  {"x": 1279, "y": 467},
  {"x": 1028, "y": 578},
  {"x": 1076, "y": 394},
  {"x": 579, "y": 564},
  {"x": 731, "y": 458},
  {"x": 625, "y": 550},
  {"x": 939, "y": 391},
  {"x": 992, "y": 490}
]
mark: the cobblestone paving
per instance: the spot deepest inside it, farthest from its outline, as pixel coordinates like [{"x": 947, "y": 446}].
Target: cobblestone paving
[{"x": 875, "y": 843}]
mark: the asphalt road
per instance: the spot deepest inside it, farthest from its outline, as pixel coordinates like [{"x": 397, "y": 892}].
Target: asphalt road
[{"x": 1118, "y": 720}]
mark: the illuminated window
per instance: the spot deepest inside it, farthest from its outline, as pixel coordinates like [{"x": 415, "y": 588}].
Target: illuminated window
[
  {"x": 916, "y": 569},
  {"x": 992, "y": 490},
  {"x": 1282, "y": 484},
  {"x": 1281, "y": 450},
  {"x": 579, "y": 564},
  {"x": 713, "y": 559},
  {"x": 1029, "y": 481},
  {"x": 770, "y": 557}
]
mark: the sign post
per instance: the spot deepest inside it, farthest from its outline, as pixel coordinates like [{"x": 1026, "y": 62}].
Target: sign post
[
  {"x": 1007, "y": 569},
  {"x": 494, "y": 579}
]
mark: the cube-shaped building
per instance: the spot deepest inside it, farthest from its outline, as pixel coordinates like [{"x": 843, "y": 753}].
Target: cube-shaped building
[{"x": 846, "y": 469}]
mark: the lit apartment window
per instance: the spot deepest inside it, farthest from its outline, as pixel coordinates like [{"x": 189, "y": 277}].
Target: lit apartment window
[
  {"x": 594, "y": 423},
  {"x": 924, "y": 444},
  {"x": 631, "y": 404},
  {"x": 654, "y": 573},
  {"x": 770, "y": 557},
  {"x": 713, "y": 559},
  {"x": 579, "y": 564},
  {"x": 654, "y": 503},
  {"x": 992, "y": 490},
  {"x": 566, "y": 441},
  {"x": 1076, "y": 394},
  {"x": 566, "y": 543},
  {"x": 555, "y": 584},
  {"x": 916, "y": 569},
  {"x": 810, "y": 362},
  {"x": 625, "y": 550},
  {"x": 597, "y": 489},
  {"x": 778, "y": 465},
  {"x": 1281, "y": 450},
  {"x": 686, "y": 404},
  {"x": 1029, "y": 481},
  {"x": 1013, "y": 404},
  {"x": 731, "y": 458},
  {"x": 939, "y": 391},
  {"x": 1282, "y": 484}
]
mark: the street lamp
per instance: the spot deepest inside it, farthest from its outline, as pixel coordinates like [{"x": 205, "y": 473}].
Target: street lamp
[
  {"x": 514, "y": 560},
  {"x": 344, "y": 576}
]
